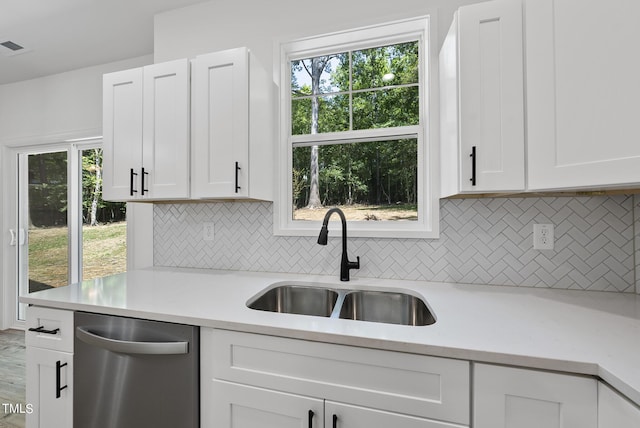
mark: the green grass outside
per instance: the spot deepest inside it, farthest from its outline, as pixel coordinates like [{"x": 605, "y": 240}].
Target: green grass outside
[{"x": 104, "y": 252}]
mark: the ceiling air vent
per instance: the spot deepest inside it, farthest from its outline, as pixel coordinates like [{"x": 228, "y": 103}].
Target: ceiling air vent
[
  {"x": 11, "y": 45},
  {"x": 9, "y": 48}
]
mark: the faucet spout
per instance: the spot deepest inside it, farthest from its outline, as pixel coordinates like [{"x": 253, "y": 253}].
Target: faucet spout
[{"x": 345, "y": 264}]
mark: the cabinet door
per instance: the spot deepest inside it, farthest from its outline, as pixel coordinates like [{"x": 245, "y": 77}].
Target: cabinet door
[
  {"x": 517, "y": 398},
  {"x": 420, "y": 385},
  {"x": 482, "y": 81},
  {"x": 237, "y": 406},
  {"x": 166, "y": 130},
  {"x": 220, "y": 150},
  {"x": 339, "y": 415},
  {"x": 52, "y": 401},
  {"x": 492, "y": 96},
  {"x": 582, "y": 93},
  {"x": 122, "y": 134},
  {"x": 615, "y": 411}
]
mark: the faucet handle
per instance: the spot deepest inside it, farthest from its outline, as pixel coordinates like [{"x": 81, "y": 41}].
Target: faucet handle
[{"x": 356, "y": 264}]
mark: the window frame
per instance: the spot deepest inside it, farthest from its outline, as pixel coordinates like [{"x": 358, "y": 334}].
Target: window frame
[{"x": 362, "y": 38}]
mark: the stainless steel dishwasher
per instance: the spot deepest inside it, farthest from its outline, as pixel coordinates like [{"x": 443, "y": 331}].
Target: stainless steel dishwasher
[{"x": 133, "y": 373}]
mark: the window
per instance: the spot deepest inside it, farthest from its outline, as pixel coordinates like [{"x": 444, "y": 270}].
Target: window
[{"x": 354, "y": 120}]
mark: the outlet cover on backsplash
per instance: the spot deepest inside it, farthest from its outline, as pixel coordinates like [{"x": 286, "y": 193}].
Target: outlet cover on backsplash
[{"x": 482, "y": 241}]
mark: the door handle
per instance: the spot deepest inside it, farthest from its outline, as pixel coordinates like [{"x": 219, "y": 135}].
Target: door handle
[
  {"x": 17, "y": 238},
  {"x": 130, "y": 347},
  {"x": 237, "y": 169},
  {"x": 310, "y": 425},
  {"x": 58, "y": 378},
  {"x": 144, "y": 173},
  {"x": 473, "y": 166},
  {"x": 41, "y": 329},
  {"x": 132, "y": 174}
]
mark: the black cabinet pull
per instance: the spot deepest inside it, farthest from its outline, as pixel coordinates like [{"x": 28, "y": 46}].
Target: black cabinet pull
[
  {"x": 310, "y": 418},
  {"x": 335, "y": 421},
  {"x": 237, "y": 169},
  {"x": 131, "y": 178},
  {"x": 473, "y": 166},
  {"x": 58, "y": 387},
  {"x": 41, "y": 329},
  {"x": 143, "y": 175}
]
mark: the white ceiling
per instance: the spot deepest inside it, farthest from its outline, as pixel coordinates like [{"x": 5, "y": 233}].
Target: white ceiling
[{"x": 63, "y": 35}]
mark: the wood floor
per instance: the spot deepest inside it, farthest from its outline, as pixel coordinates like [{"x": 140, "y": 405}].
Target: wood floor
[{"x": 12, "y": 377}]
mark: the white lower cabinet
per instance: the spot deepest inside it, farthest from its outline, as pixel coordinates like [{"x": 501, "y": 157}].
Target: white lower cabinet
[
  {"x": 49, "y": 388},
  {"x": 339, "y": 415},
  {"x": 615, "y": 411},
  {"x": 236, "y": 406},
  {"x": 242, "y": 406},
  {"x": 249, "y": 379},
  {"x": 49, "y": 368},
  {"x": 509, "y": 397}
]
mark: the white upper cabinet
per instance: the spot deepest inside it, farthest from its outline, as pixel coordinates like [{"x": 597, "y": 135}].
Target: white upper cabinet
[
  {"x": 582, "y": 84},
  {"x": 166, "y": 129},
  {"x": 482, "y": 100},
  {"x": 233, "y": 122},
  {"x": 122, "y": 133},
  {"x": 146, "y": 132}
]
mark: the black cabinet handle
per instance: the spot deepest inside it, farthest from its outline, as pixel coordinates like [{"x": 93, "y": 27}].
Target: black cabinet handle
[
  {"x": 58, "y": 387},
  {"x": 335, "y": 421},
  {"x": 310, "y": 419},
  {"x": 237, "y": 169},
  {"x": 143, "y": 175},
  {"x": 131, "y": 178},
  {"x": 41, "y": 329},
  {"x": 473, "y": 166}
]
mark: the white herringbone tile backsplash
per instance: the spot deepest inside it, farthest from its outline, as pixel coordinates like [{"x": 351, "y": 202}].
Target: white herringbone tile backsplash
[{"x": 482, "y": 241}]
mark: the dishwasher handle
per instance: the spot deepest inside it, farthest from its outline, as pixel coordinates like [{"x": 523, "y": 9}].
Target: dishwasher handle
[{"x": 129, "y": 347}]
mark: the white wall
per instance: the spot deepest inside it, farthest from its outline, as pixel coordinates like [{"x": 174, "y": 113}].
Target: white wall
[
  {"x": 217, "y": 25},
  {"x": 56, "y": 107}
]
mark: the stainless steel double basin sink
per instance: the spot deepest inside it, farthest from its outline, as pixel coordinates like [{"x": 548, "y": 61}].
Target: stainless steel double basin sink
[{"x": 373, "y": 305}]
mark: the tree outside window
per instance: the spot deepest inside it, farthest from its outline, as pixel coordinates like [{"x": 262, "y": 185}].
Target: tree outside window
[{"x": 339, "y": 104}]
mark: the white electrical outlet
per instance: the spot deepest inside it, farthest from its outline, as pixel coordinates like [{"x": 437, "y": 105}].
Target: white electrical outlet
[
  {"x": 208, "y": 231},
  {"x": 543, "y": 237}
]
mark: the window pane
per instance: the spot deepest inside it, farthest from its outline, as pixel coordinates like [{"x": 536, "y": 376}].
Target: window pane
[
  {"x": 104, "y": 227},
  {"x": 375, "y": 181},
  {"x": 385, "y": 66},
  {"x": 48, "y": 234},
  {"x": 333, "y": 114},
  {"x": 331, "y": 75},
  {"x": 386, "y": 108}
]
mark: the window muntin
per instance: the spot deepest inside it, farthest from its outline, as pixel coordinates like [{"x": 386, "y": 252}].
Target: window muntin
[{"x": 370, "y": 88}]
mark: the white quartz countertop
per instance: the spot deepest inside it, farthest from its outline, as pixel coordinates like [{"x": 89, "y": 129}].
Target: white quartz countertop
[{"x": 592, "y": 333}]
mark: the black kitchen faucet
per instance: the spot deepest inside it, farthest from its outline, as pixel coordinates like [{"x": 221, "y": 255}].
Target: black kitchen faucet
[{"x": 345, "y": 264}]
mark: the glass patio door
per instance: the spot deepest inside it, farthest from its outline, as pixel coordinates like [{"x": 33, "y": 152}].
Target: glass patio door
[
  {"x": 43, "y": 234},
  {"x": 64, "y": 231}
]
